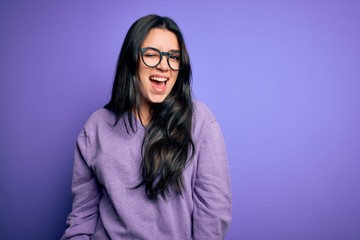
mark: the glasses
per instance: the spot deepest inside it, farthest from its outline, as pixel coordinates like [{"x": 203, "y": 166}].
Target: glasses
[{"x": 152, "y": 57}]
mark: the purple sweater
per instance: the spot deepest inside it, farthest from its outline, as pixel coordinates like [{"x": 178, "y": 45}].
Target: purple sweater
[{"x": 107, "y": 165}]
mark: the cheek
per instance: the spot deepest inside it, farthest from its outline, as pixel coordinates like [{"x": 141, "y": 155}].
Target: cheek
[
  {"x": 143, "y": 74},
  {"x": 175, "y": 79},
  {"x": 174, "y": 76}
]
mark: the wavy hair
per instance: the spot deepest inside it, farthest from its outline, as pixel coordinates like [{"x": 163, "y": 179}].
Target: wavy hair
[{"x": 167, "y": 145}]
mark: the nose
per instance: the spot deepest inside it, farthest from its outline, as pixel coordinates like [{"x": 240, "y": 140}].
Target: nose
[{"x": 163, "y": 65}]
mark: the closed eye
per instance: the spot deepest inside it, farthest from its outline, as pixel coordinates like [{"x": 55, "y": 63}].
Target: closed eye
[{"x": 151, "y": 55}]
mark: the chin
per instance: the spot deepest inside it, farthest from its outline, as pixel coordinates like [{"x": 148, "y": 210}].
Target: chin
[{"x": 157, "y": 99}]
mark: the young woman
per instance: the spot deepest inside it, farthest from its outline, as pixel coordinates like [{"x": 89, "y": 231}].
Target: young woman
[{"x": 152, "y": 163}]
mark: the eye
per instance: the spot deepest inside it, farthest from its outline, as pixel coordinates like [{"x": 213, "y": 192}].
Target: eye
[
  {"x": 175, "y": 56},
  {"x": 151, "y": 53}
]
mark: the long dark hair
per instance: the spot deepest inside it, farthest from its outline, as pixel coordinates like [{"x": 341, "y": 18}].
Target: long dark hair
[{"x": 167, "y": 144}]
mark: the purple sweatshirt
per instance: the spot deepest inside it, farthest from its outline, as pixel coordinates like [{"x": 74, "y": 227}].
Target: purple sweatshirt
[{"x": 107, "y": 167}]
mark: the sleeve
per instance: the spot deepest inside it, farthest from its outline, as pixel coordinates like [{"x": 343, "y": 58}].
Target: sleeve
[
  {"x": 212, "y": 191},
  {"x": 82, "y": 220}
]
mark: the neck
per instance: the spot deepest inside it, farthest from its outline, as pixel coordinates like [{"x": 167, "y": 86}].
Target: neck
[{"x": 144, "y": 114}]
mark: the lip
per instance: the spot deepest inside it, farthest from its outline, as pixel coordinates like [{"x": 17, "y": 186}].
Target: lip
[
  {"x": 159, "y": 78},
  {"x": 158, "y": 83}
]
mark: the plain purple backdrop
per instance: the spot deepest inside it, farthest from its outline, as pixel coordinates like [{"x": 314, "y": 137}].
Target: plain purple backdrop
[{"x": 283, "y": 78}]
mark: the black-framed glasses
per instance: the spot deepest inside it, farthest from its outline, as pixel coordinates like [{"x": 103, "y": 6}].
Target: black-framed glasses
[{"x": 152, "y": 57}]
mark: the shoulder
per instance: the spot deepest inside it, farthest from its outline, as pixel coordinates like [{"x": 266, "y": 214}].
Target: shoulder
[
  {"x": 203, "y": 119},
  {"x": 101, "y": 115},
  {"x": 99, "y": 118},
  {"x": 202, "y": 112}
]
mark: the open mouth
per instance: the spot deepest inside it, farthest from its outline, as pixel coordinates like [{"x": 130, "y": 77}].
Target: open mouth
[{"x": 158, "y": 83}]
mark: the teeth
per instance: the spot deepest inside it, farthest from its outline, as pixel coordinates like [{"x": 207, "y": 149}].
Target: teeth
[{"x": 159, "y": 79}]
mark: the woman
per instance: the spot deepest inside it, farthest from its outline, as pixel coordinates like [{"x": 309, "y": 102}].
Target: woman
[{"x": 152, "y": 163}]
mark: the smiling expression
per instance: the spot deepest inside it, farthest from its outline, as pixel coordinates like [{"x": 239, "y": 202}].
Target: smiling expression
[{"x": 156, "y": 83}]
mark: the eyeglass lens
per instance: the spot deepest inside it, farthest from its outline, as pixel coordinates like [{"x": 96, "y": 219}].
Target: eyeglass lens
[{"x": 152, "y": 57}]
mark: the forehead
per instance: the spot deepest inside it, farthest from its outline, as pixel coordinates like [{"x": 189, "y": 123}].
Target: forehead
[{"x": 161, "y": 39}]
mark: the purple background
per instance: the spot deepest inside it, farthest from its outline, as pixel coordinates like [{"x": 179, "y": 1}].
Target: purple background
[{"x": 283, "y": 78}]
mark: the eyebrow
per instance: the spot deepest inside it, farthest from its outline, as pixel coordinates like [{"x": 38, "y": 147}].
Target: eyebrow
[{"x": 171, "y": 50}]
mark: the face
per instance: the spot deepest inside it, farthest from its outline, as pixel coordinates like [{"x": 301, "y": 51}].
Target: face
[{"x": 156, "y": 83}]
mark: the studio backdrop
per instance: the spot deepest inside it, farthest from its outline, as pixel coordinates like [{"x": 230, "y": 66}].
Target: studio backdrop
[{"x": 282, "y": 78}]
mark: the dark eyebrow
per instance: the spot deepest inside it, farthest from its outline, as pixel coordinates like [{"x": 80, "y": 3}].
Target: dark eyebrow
[{"x": 171, "y": 50}]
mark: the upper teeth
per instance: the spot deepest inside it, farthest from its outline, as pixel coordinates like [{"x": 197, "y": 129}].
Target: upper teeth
[{"x": 158, "y": 79}]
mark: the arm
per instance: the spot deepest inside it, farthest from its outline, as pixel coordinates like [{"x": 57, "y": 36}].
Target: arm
[
  {"x": 82, "y": 220},
  {"x": 212, "y": 193}
]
